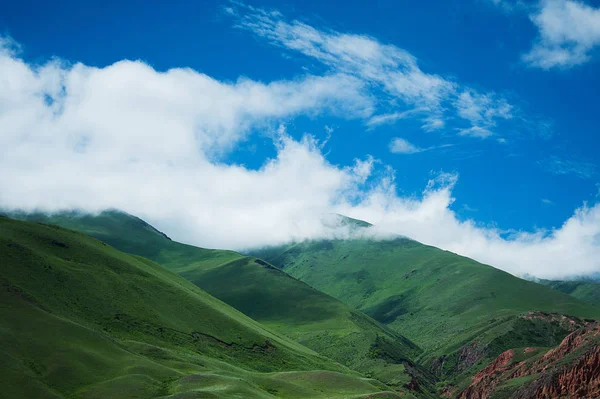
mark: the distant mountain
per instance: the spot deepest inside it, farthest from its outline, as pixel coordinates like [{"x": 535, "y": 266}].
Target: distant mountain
[
  {"x": 81, "y": 319},
  {"x": 267, "y": 295},
  {"x": 586, "y": 290},
  {"x": 462, "y": 313}
]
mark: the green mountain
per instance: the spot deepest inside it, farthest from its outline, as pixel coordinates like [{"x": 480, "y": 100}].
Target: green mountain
[
  {"x": 267, "y": 295},
  {"x": 467, "y": 324},
  {"x": 585, "y": 290},
  {"x": 462, "y": 313},
  {"x": 81, "y": 319}
]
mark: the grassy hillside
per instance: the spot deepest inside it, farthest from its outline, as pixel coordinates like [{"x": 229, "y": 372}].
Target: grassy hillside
[
  {"x": 266, "y": 294},
  {"x": 462, "y": 313},
  {"x": 81, "y": 319},
  {"x": 429, "y": 294},
  {"x": 587, "y": 291}
]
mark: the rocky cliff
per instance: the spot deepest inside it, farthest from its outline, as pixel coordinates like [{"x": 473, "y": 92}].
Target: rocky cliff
[{"x": 571, "y": 370}]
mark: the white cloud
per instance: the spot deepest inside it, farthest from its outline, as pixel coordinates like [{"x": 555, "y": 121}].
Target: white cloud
[
  {"x": 129, "y": 137},
  {"x": 568, "y": 32},
  {"x": 573, "y": 249},
  {"x": 392, "y": 71},
  {"x": 393, "y": 117},
  {"x": 193, "y": 110},
  {"x": 400, "y": 146},
  {"x": 482, "y": 108},
  {"x": 475, "y": 131}
]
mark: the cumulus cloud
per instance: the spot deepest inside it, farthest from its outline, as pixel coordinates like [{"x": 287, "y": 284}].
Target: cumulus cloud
[
  {"x": 126, "y": 136},
  {"x": 569, "y": 31},
  {"x": 146, "y": 142},
  {"x": 392, "y": 71}
]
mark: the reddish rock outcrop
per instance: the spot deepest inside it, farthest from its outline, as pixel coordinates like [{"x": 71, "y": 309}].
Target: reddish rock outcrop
[
  {"x": 571, "y": 370},
  {"x": 484, "y": 382},
  {"x": 579, "y": 381}
]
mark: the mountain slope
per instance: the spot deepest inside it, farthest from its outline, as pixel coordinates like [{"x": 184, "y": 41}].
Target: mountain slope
[
  {"x": 80, "y": 319},
  {"x": 425, "y": 292},
  {"x": 462, "y": 313},
  {"x": 267, "y": 295}
]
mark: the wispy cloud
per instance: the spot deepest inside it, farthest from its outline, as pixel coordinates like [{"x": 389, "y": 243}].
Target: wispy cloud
[
  {"x": 475, "y": 131},
  {"x": 393, "y": 73},
  {"x": 391, "y": 118},
  {"x": 467, "y": 208},
  {"x": 511, "y": 6},
  {"x": 546, "y": 201},
  {"x": 565, "y": 166},
  {"x": 399, "y": 145},
  {"x": 482, "y": 108}
]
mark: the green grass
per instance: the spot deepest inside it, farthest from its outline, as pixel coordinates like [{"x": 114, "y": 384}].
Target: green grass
[
  {"x": 264, "y": 293},
  {"x": 81, "y": 319}
]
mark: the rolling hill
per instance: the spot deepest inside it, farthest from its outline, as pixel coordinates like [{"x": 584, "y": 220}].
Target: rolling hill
[
  {"x": 81, "y": 319},
  {"x": 267, "y": 295}
]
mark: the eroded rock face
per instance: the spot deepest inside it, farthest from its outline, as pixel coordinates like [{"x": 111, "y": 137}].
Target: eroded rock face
[
  {"x": 471, "y": 353},
  {"x": 580, "y": 378},
  {"x": 484, "y": 382},
  {"x": 571, "y": 370},
  {"x": 580, "y": 381}
]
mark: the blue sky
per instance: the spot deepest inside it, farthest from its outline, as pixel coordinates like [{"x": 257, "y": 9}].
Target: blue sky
[{"x": 499, "y": 95}]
